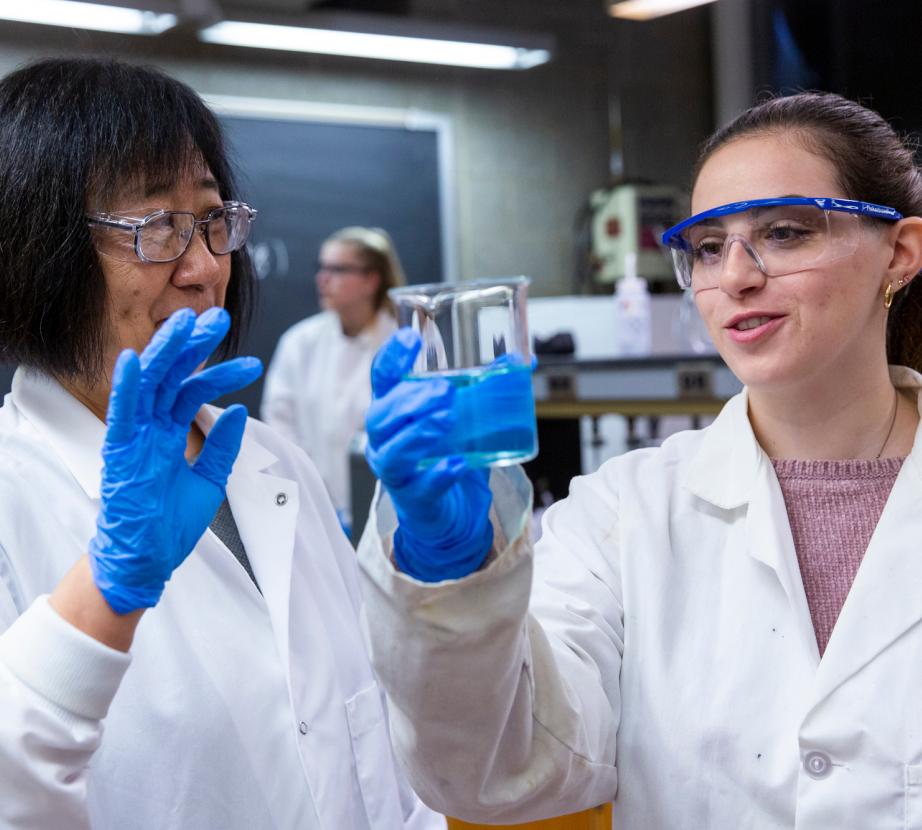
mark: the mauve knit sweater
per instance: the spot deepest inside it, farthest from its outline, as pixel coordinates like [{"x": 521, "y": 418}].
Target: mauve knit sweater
[{"x": 833, "y": 508}]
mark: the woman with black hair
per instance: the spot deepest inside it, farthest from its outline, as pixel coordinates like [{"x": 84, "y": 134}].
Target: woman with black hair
[{"x": 249, "y": 701}]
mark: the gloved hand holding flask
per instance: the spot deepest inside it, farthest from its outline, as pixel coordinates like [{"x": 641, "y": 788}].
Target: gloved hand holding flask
[
  {"x": 155, "y": 506},
  {"x": 443, "y": 509}
]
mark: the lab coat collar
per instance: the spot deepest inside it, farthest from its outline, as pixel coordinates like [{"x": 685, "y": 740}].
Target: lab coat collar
[
  {"x": 730, "y": 470},
  {"x": 253, "y": 456},
  {"x": 76, "y": 434},
  {"x": 883, "y": 602},
  {"x": 725, "y": 467}
]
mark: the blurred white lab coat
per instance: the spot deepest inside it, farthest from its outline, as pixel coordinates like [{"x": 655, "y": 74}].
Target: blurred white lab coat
[
  {"x": 239, "y": 709},
  {"x": 665, "y": 653},
  {"x": 318, "y": 388}
]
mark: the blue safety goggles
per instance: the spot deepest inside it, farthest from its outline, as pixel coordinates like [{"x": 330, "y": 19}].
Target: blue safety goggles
[{"x": 782, "y": 235}]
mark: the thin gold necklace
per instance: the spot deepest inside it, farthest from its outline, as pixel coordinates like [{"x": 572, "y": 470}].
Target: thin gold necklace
[{"x": 896, "y": 401}]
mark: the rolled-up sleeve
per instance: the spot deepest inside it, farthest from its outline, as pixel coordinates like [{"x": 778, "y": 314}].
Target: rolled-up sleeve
[{"x": 504, "y": 701}]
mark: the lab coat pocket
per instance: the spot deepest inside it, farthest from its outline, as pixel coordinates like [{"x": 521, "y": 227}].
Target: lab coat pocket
[
  {"x": 912, "y": 819},
  {"x": 374, "y": 762}
]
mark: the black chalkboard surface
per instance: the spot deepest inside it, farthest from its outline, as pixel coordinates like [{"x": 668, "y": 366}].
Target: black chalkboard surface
[{"x": 308, "y": 178}]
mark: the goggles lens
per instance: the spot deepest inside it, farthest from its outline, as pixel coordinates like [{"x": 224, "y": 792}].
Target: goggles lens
[{"x": 780, "y": 238}]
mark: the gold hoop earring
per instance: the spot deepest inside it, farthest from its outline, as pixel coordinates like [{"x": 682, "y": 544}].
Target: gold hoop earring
[{"x": 888, "y": 295}]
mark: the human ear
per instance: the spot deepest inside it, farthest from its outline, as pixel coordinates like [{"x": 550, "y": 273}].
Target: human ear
[{"x": 906, "y": 260}]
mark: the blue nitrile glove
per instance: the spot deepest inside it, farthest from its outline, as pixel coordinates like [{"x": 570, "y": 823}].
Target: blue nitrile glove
[
  {"x": 155, "y": 506},
  {"x": 443, "y": 511}
]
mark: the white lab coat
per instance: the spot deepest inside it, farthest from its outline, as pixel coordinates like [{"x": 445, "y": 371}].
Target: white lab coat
[
  {"x": 665, "y": 656},
  {"x": 239, "y": 710},
  {"x": 318, "y": 388}
]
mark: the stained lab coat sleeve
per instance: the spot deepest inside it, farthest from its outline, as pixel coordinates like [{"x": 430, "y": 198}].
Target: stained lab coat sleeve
[
  {"x": 280, "y": 390},
  {"x": 495, "y": 718},
  {"x": 54, "y": 701}
]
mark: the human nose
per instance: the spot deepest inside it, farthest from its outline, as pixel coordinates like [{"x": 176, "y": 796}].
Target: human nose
[
  {"x": 198, "y": 265},
  {"x": 740, "y": 270}
]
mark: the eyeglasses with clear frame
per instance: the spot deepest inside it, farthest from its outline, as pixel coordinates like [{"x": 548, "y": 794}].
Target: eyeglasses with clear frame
[
  {"x": 165, "y": 235},
  {"x": 337, "y": 271}
]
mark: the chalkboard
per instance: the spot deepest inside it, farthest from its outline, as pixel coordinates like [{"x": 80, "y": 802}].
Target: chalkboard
[{"x": 312, "y": 170}]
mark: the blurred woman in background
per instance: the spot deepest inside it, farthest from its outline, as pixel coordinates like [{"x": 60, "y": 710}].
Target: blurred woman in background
[{"x": 317, "y": 387}]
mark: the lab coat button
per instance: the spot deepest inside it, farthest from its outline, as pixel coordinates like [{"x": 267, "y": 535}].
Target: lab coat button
[
  {"x": 281, "y": 499},
  {"x": 303, "y": 728},
  {"x": 817, "y": 764}
]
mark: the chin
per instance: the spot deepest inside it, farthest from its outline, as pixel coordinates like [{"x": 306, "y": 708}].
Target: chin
[{"x": 767, "y": 372}]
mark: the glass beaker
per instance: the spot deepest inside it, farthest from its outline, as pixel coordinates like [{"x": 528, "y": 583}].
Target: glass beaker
[{"x": 475, "y": 336}]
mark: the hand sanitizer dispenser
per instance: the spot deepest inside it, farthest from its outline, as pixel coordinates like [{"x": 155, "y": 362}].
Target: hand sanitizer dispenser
[{"x": 632, "y": 304}]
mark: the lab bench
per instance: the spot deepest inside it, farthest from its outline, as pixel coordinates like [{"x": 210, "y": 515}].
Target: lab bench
[{"x": 693, "y": 385}]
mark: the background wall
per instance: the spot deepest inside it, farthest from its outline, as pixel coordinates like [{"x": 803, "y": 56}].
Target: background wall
[{"x": 530, "y": 146}]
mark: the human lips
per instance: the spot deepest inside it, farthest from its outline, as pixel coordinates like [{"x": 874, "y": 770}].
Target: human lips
[{"x": 752, "y": 325}]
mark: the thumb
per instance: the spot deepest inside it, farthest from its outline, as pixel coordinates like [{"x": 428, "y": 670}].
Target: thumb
[
  {"x": 222, "y": 445},
  {"x": 394, "y": 360}
]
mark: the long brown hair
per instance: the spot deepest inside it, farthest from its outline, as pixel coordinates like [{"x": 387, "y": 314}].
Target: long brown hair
[{"x": 873, "y": 164}]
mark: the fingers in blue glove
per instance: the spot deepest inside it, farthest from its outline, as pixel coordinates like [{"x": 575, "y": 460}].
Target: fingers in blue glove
[
  {"x": 434, "y": 481},
  {"x": 446, "y": 536},
  {"x": 396, "y": 460},
  {"x": 222, "y": 445},
  {"x": 210, "y": 329},
  {"x": 160, "y": 355},
  {"x": 213, "y": 382},
  {"x": 123, "y": 400},
  {"x": 404, "y": 404},
  {"x": 394, "y": 361}
]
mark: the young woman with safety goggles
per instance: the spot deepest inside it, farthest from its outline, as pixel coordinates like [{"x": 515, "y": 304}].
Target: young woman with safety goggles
[{"x": 725, "y": 631}]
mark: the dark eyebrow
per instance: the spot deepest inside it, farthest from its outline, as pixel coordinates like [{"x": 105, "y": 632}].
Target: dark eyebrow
[{"x": 159, "y": 188}]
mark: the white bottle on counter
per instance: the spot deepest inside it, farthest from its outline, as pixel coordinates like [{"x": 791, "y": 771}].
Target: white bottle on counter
[{"x": 632, "y": 311}]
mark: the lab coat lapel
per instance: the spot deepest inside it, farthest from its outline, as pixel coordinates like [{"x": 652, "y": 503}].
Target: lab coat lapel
[
  {"x": 732, "y": 471},
  {"x": 265, "y": 508},
  {"x": 769, "y": 540},
  {"x": 885, "y": 599}
]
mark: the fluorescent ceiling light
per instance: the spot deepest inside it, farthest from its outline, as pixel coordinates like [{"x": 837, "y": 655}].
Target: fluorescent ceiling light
[
  {"x": 86, "y": 16},
  {"x": 366, "y": 45},
  {"x": 648, "y": 9}
]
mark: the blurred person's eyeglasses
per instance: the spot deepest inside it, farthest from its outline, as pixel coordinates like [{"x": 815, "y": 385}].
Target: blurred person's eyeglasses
[
  {"x": 341, "y": 270},
  {"x": 164, "y": 235},
  {"x": 782, "y": 236}
]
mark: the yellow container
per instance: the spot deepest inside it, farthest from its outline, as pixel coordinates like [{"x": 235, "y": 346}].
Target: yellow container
[{"x": 598, "y": 818}]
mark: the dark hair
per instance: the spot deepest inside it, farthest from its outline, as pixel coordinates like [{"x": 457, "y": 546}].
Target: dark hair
[
  {"x": 75, "y": 130},
  {"x": 872, "y": 164}
]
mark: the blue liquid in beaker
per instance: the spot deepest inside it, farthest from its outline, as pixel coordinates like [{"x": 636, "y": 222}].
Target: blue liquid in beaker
[{"x": 495, "y": 410}]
